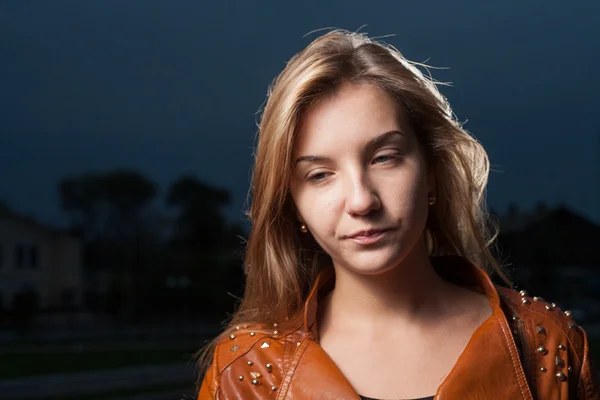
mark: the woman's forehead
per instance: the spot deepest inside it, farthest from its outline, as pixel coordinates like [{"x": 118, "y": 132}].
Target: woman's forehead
[{"x": 355, "y": 114}]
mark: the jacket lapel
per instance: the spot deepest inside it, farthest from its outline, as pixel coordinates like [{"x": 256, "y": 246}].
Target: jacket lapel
[
  {"x": 318, "y": 377},
  {"x": 489, "y": 366}
]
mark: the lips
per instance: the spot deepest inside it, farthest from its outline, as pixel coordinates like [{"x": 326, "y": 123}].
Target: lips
[
  {"x": 366, "y": 233},
  {"x": 368, "y": 237}
]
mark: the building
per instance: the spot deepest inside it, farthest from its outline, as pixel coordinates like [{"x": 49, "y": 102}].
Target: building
[
  {"x": 553, "y": 253},
  {"x": 40, "y": 259}
]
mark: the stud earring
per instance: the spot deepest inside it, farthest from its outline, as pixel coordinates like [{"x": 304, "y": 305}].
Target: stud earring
[
  {"x": 303, "y": 228},
  {"x": 432, "y": 200}
]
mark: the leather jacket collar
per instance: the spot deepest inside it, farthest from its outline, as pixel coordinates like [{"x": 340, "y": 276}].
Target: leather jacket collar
[{"x": 527, "y": 349}]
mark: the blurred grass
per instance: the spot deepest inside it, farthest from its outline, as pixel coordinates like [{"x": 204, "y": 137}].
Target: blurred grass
[
  {"x": 168, "y": 389},
  {"x": 16, "y": 365}
]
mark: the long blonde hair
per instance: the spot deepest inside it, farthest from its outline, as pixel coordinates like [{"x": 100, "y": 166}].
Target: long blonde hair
[{"x": 281, "y": 265}]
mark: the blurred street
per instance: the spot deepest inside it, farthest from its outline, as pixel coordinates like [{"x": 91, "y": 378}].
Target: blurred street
[{"x": 108, "y": 381}]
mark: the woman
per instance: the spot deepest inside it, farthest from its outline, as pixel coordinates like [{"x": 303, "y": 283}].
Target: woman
[{"x": 368, "y": 267}]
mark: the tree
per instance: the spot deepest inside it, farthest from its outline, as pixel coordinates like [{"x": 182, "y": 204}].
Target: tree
[
  {"x": 127, "y": 193},
  {"x": 80, "y": 197},
  {"x": 200, "y": 224},
  {"x": 2, "y": 311},
  {"x": 207, "y": 246},
  {"x": 106, "y": 205},
  {"x": 108, "y": 211}
]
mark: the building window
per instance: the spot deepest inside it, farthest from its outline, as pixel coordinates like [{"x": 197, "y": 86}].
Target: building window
[
  {"x": 19, "y": 257},
  {"x": 33, "y": 257},
  {"x": 26, "y": 257}
]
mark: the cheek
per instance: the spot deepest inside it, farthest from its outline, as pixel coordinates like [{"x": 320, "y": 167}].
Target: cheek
[
  {"x": 407, "y": 195},
  {"x": 318, "y": 210},
  {"x": 420, "y": 205}
]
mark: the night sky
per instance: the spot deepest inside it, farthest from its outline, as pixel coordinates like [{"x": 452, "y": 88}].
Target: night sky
[{"x": 170, "y": 87}]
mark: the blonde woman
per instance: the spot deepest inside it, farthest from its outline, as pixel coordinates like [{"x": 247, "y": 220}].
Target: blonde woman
[{"x": 368, "y": 264}]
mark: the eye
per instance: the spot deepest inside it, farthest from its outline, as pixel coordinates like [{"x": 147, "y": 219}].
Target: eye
[
  {"x": 383, "y": 158},
  {"x": 318, "y": 177}
]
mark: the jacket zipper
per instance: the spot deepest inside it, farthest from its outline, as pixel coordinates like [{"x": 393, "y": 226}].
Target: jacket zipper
[{"x": 524, "y": 349}]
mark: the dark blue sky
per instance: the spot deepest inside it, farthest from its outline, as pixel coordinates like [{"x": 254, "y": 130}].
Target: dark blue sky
[{"x": 170, "y": 87}]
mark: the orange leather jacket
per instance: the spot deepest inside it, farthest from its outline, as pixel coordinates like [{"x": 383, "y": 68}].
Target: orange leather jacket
[{"x": 527, "y": 349}]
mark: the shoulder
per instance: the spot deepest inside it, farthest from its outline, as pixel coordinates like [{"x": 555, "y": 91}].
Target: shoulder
[
  {"x": 249, "y": 360},
  {"x": 541, "y": 315},
  {"x": 554, "y": 348}
]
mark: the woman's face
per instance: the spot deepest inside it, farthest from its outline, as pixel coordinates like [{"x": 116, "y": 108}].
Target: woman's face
[{"x": 359, "y": 180}]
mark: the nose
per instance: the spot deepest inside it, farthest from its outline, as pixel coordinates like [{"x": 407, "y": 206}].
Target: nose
[{"x": 361, "y": 197}]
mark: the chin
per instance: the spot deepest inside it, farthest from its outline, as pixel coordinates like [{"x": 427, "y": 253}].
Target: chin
[
  {"x": 380, "y": 259},
  {"x": 374, "y": 262}
]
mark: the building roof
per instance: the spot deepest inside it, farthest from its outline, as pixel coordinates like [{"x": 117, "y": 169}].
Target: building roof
[
  {"x": 558, "y": 235},
  {"x": 7, "y": 212},
  {"x": 516, "y": 222}
]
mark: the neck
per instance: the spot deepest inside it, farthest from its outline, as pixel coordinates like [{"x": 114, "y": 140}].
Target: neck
[{"x": 411, "y": 293}]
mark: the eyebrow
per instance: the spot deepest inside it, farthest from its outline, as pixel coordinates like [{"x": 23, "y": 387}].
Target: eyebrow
[
  {"x": 383, "y": 137},
  {"x": 372, "y": 143}
]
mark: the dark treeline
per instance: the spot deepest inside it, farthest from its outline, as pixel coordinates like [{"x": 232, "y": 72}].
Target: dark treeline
[
  {"x": 143, "y": 260},
  {"x": 149, "y": 254}
]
